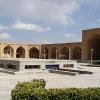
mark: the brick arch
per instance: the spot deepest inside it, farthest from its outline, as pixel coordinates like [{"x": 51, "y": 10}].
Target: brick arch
[
  {"x": 77, "y": 53},
  {"x": 45, "y": 53},
  {"x": 54, "y": 53},
  {"x": 8, "y": 51},
  {"x": 20, "y": 52},
  {"x": 64, "y": 53},
  {"x": 34, "y": 52},
  {"x": 94, "y": 43}
]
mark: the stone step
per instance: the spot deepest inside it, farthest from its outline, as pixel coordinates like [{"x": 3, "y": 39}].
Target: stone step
[
  {"x": 7, "y": 71},
  {"x": 63, "y": 72},
  {"x": 78, "y": 71}
]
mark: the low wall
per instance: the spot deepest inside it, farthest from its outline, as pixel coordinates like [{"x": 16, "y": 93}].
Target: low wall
[{"x": 19, "y": 64}]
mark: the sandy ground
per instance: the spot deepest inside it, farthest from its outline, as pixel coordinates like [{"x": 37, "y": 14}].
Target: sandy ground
[{"x": 8, "y": 82}]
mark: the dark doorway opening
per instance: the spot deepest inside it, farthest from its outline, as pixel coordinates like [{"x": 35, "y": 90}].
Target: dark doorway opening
[
  {"x": 32, "y": 66},
  {"x": 94, "y": 44}
]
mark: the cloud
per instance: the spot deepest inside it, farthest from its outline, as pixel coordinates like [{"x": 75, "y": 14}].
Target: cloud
[
  {"x": 4, "y": 36},
  {"x": 68, "y": 35},
  {"x": 72, "y": 37},
  {"x": 3, "y": 27},
  {"x": 54, "y": 10},
  {"x": 45, "y": 42},
  {"x": 31, "y": 27}
]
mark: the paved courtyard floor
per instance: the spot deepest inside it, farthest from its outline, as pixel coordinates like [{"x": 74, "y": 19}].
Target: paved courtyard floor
[{"x": 8, "y": 82}]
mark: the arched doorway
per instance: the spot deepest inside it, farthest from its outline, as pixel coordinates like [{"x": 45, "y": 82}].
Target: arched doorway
[
  {"x": 77, "y": 53},
  {"x": 54, "y": 53},
  {"x": 20, "y": 52},
  {"x": 94, "y": 43},
  {"x": 45, "y": 53},
  {"x": 8, "y": 51},
  {"x": 34, "y": 53},
  {"x": 64, "y": 54}
]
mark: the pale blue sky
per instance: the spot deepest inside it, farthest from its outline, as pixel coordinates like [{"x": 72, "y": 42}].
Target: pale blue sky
[{"x": 47, "y": 21}]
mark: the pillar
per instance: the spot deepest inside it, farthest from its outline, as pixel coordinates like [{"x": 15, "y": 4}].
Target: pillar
[{"x": 49, "y": 54}]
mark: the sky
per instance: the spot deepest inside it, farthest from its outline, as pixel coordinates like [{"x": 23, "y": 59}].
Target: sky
[{"x": 47, "y": 21}]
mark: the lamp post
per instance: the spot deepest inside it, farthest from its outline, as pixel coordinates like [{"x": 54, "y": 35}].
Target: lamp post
[{"x": 91, "y": 62}]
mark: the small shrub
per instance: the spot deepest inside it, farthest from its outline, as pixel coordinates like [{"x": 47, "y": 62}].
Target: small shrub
[
  {"x": 25, "y": 89},
  {"x": 35, "y": 83},
  {"x": 35, "y": 90}
]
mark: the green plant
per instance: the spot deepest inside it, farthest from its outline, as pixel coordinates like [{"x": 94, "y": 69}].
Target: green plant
[{"x": 26, "y": 91}]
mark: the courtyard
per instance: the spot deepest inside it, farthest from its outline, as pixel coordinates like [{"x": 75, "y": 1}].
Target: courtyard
[{"x": 8, "y": 81}]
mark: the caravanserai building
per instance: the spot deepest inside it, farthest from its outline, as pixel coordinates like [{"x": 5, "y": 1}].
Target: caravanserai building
[{"x": 77, "y": 50}]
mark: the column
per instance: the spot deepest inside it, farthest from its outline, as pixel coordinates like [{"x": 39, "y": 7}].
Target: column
[
  {"x": 44, "y": 53},
  {"x": 49, "y": 54},
  {"x": 69, "y": 53},
  {"x": 14, "y": 52},
  {"x": 56, "y": 54},
  {"x": 26, "y": 52}
]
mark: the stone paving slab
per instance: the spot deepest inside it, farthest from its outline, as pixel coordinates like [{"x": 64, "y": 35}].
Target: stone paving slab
[{"x": 8, "y": 81}]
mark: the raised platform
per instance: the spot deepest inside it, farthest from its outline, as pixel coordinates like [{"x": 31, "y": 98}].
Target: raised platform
[{"x": 15, "y": 65}]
